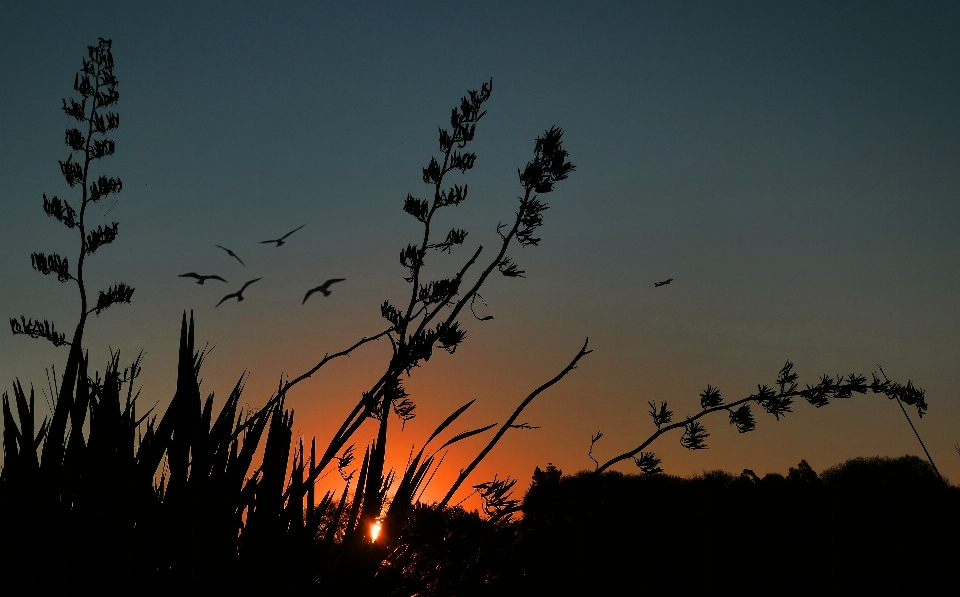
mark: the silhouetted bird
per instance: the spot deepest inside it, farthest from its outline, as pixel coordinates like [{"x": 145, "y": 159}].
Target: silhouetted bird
[
  {"x": 664, "y": 283},
  {"x": 238, "y": 294},
  {"x": 279, "y": 241},
  {"x": 322, "y": 288},
  {"x": 200, "y": 279},
  {"x": 232, "y": 254}
]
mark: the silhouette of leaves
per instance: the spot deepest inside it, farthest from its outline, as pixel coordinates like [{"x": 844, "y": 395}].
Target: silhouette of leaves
[
  {"x": 432, "y": 174},
  {"x": 397, "y": 396},
  {"x": 776, "y": 405},
  {"x": 101, "y": 235},
  {"x": 37, "y": 329},
  {"x": 72, "y": 171},
  {"x": 450, "y": 336},
  {"x": 531, "y": 218},
  {"x": 104, "y": 186},
  {"x": 75, "y": 139},
  {"x": 694, "y": 436},
  {"x": 51, "y": 264},
  {"x": 648, "y": 463},
  {"x": 787, "y": 379},
  {"x": 419, "y": 348},
  {"x": 391, "y": 314},
  {"x": 344, "y": 461},
  {"x": 60, "y": 210},
  {"x": 405, "y": 409},
  {"x": 454, "y": 196},
  {"x": 78, "y": 111},
  {"x": 854, "y": 384},
  {"x": 106, "y": 122},
  {"x": 548, "y": 165},
  {"x": 462, "y": 161},
  {"x": 438, "y": 291},
  {"x": 662, "y": 416},
  {"x": 496, "y": 498},
  {"x": 710, "y": 397},
  {"x": 417, "y": 208},
  {"x": 410, "y": 259},
  {"x": 908, "y": 394},
  {"x": 454, "y": 237},
  {"x": 742, "y": 419},
  {"x": 101, "y": 148},
  {"x": 463, "y": 119},
  {"x": 509, "y": 269},
  {"x": 118, "y": 293}
]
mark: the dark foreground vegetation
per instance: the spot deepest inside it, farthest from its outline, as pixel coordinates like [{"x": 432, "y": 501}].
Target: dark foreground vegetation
[
  {"x": 884, "y": 526},
  {"x": 102, "y": 496}
]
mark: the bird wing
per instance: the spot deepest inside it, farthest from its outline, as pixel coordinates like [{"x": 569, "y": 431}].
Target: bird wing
[
  {"x": 331, "y": 281},
  {"x": 232, "y": 254},
  {"x": 214, "y": 278},
  {"x": 309, "y": 292},
  {"x": 292, "y": 231},
  {"x": 248, "y": 284},
  {"x": 267, "y": 242},
  {"x": 234, "y": 295},
  {"x": 190, "y": 275}
]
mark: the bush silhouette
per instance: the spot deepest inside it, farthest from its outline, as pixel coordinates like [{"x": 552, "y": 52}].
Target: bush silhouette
[{"x": 877, "y": 525}]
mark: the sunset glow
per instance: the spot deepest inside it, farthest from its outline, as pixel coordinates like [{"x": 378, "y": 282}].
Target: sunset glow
[{"x": 375, "y": 530}]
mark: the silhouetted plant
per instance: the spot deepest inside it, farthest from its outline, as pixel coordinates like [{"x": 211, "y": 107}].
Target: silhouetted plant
[
  {"x": 195, "y": 501},
  {"x": 775, "y": 401},
  {"x": 429, "y": 319},
  {"x": 96, "y": 87}
]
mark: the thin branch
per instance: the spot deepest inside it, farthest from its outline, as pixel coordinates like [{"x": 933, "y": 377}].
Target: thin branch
[
  {"x": 915, "y": 432},
  {"x": 507, "y": 425},
  {"x": 593, "y": 440},
  {"x": 673, "y": 426},
  {"x": 329, "y": 357},
  {"x": 818, "y": 395}
]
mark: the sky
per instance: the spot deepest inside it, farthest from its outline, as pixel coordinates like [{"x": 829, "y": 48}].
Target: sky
[{"x": 794, "y": 167}]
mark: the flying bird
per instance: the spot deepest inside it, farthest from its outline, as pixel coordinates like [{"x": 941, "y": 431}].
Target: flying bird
[
  {"x": 232, "y": 254},
  {"x": 279, "y": 241},
  {"x": 664, "y": 283},
  {"x": 200, "y": 279},
  {"x": 238, "y": 294},
  {"x": 324, "y": 288}
]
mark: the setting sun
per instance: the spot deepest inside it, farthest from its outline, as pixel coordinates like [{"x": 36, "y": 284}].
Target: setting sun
[{"x": 375, "y": 530}]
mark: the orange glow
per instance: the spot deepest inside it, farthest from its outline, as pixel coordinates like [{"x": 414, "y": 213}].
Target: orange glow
[{"x": 375, "y": 530}]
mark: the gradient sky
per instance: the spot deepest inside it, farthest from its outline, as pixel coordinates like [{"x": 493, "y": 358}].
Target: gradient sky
[{"x": 795, "y": 167}]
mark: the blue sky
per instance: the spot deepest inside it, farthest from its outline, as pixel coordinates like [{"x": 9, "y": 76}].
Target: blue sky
[{"x": 795, "y": 167}]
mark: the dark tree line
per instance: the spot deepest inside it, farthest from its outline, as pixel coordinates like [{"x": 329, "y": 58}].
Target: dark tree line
[{"x": 877, "y": 526}]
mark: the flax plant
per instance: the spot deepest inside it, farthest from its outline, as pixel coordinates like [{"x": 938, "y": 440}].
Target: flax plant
[
  {"x": 776, "y": 401},
  {"x": 103, "y": 497}
]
